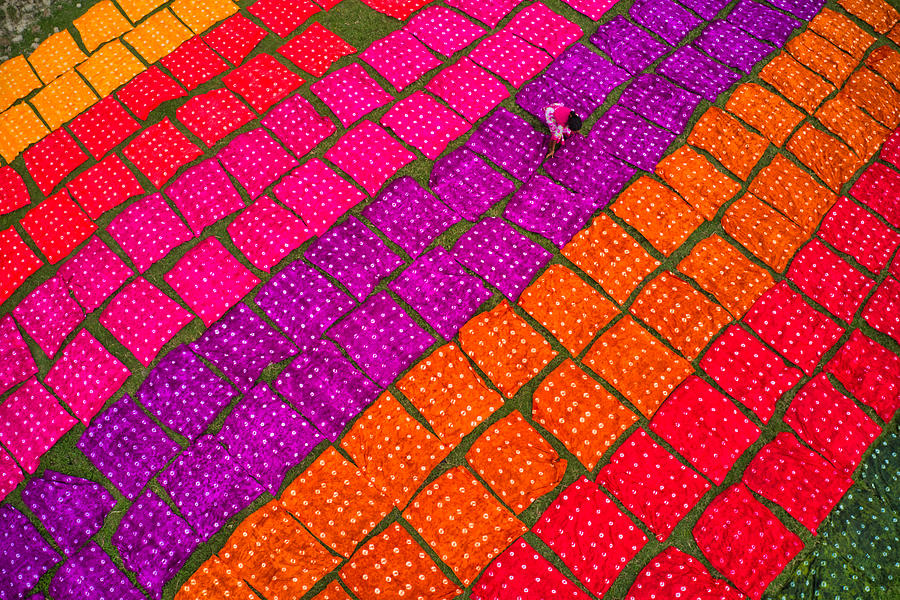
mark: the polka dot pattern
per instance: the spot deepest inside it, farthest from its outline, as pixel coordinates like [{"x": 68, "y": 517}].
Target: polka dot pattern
[
  {"x": 443, "y": 30},
  {"x": 399, "y": 9},
  {"x": 149, "y": 90},
  {"x": 10, "y": 474},
  {"x": 200, "y": 15},
  {"x": 266, "y": 232},
  {"x": 194, "y": 63},
  {"x": 298, "y": 125},
  {"x": 103, "y": 126},
  {"x": 19, "y": 262},
  {"x": 466, "y": 183},
  {"x": 369, "y": 155},
  {"x": 262, "y": 81},
  {"x": 256, "y": 160},
  {"x": 862, "y": 133},
  {"x": 157, "y": 36},
  {"x": 56, "y": 55},
  {"x": 235, "y": 38},
  {"x": 52, "y": 159},
  {"x": 509, "y": 142},
  {"x": 468, "y": 89},
  {"x": 765, "y": 111},
  {"x": 316, "y": 49},
  {"x": 19, "y": 128},
  {"x": 104, "y": 186},
  {"x": 832, "y": 160},
  {"x": 877, "y": 188},
  {"x": 697, "y": 181},
  {"x": 873, "y": 94},
  {"x": 400, "y": 58},
  {"x": 629, "y": 46},
  {"x": 689, "y": 68},
  {"x": 795, "y": 82},
  {"x": 851, "y": 229},
  {"x": 110, "y": 67},
  {"x": 674, "y": 574},
  {"x": 763, "y": 22},
  {"x": 792, "y": 191},
  {"x": 26, "y": 556},
  {"x": 665, "y": 18},
  {"x": 763, "y": 231},
  {"x": 659, "y": 101},
  {"x": 731, "y": 46},
  {"x": 821, "y": 57},
  {"x": 510, "y": 57},
  {"x": 204, "y": 194},
  {"x": 92, "y": 572},
  {"x": 18, "y": 81},
  {"x": 826, "y": 278},
  {"x": 317, "y": 194},
  {"x": 213, "y": 579},
  {"x": 17, "y": 363},
  {"x": 14, "y": 194},
  {"x": 544, "y": 28},
  {"x": 424, "y": 123},
  {"x": 635, "y": 140},
  {"x": 886, "y": 62},
  {"x": 147, "y": 230},
  {"x": 159, "y": 151},
  {"x": 489, "y": 14},
  {"x": 283, "y": 16},
  {"x": 48, "y": 315},
  {"x": 351, "y": 93},
  {"x": 882, "y": 308},
  {"x": 31, "y": 421},
  {"x": 737, "y": 148},
  {"x": 213, "y": 115}
]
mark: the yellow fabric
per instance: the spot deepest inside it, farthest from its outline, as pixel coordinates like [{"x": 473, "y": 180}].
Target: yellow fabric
[
  {"x": 56, "y": 55},
  {"x": 19, "y": 128},
  {"x": 200, "y": 15},
  {"x": 138, "y": 9},
  {"x": 158, "y": 36},
  {"x": 101, "y": 23},
  {"x": 63, "y": 99},
  {"x": 17, "y": 80},
  {"x": 109, "y": 67}
]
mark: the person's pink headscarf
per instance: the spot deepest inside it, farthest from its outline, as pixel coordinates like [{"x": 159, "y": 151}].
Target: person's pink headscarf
[{"x": 561, "y": 114}]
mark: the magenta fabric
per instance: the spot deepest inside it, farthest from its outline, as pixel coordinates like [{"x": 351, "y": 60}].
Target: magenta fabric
[
  {"x": 298, "y": 125},
  {"x": 91, "y": 573},
  {"x": 318, "y": 195},
  {"x": 468, "y": 89},
  {"x": 870, "y": 372},
  {"x": 266, "y": 232},
  {"x": 256, "y": 160},
  {"x": 204, "y": 194},
  {"x": 16, "y": 362},
  {"x": 659, "y": 101},
  {"x": 465, "y": 182},
  {"x": 628, "y": 45},
  {"x": 86, "y": 375},
  {"x": 10, "y": 474},
  {"x": 510, "y": 57},
  {"x": 693, "y": 70},
  {"x": 24, "y": 555},
  {"x": 633, "y": 139},
  {"x": 351, "y": 93},
  {"x": 93, "y": 274},
  {"x": 666, "y": 18},
  {"x": 443, "y": 30},
  {"x": 879, "y": 188},
  {"x": 49, "y": 314},
  {"x": 369, "y": 155},
  {"x": 853, "y": 230},
  {"x": 829, "y": 280},
  {"x": 674, "y": 574},
  {"x": 544, "y": 207},
  {"x": 763, "y": 22},
  {"x": 489, "y": 13},
  {"x": 148, "y": 230},
  {"x": 586, "y": 168},
  {"x": 424, "y": 123},
  {"x": 508, "y": 141},
  {"x": 540, "y": 26},
  {"x": 883, "y": 308},
  {"x": 400, "y": 58},
  {"x": 31, "y": 421}
]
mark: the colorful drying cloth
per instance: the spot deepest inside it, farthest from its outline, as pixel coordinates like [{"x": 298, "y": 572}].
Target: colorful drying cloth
[{"x": 467, "y": 184}]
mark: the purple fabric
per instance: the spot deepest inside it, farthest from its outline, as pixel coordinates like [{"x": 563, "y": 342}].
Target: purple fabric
[
  {"x": 728, "y": 44},
  {"x": 511, "y": 143},
  {"x": 381, "y": 338},
  {"x": 92, "y": 574},
  {"x": 467, "y": 184},
  {"x": 16, "y": 362},
  {"x": 208, "y": 486},
  {"x": 708, "y": 9},
  {"x": 267, "y": 437},
  {"x": 326, "y": 388},
  {"x": 241, "y": 345},
  {"x": 501, "y": 255},
  {"x": 691, "y": 69},
  {"x": 629, "y": 46},
  {"x": 409, "y": 215},
  {"x": 654, "y": 98},
  {"x": 126, "y": 446},
  {"x": 352, "y": 253},
  {"x": 631, "y": 138},
  {"x": 585, "y": 167},
  {"x": 302, "y": 302},
  {"x": 665, "y": 18},
  {"x": 24, "y": 555},
  {"x": 543, "y": 91},
  {"x": 153, "y": 542},
  {"x": 71, "y": 509},
  {"x": 802, "y": 9},
  {"x": 763, "y": 22},
  {"x": 586, "y": 72},
  {"x": 183, "y": 393},
  {"x": 256, "y": 160},
  {"x": 441, "y": 291},
  {"x": 550, "y": 210}
]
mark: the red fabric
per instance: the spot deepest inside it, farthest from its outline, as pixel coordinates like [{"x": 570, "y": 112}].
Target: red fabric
[
  {"x": 213, "y": 115},
  {"x": 283, "y": 16},
  {"x": 316, "y": 49},
  {"x": 870, "y": 372},
  {"x": 17, "y": 262},
  {"x": 895, "y": 266},
  {"x": 831, "y": 423},
  {"x": 890, "y": 151},
  {"x": 879, "y": 188},
  {"x": 590, "y": 534},
  {"x": 799, "y": 480},
  {"x": 882, "y": 311},
  {"x": 674, "y": 574},
  {"x": 52, "y": 159},
  {"x": 751, "y": 373},
  {"x": 13, "y": 191},
  {"x": 235, "y": 38},
  {"x": 829, "y": 280},
  {"x": 703, "y": 425},
  {"x": 743, "y": 540},
  {"x": 652, "y": 483},
  {"x": 194, "y": 63},
  {"x": 399, "y": 9},
  {"x": 266, "y": 232},
  {"x": 103, "y": 126},
  {"x": 262, "y": 82},
  {"x": 855, "y": 231},
  {"x": 785, "y": 321},
  {"x": 159, "y": 151},
  {"x": 520, "y": 573},
  {"x": 148, "y": 90},
  {"x": 57, "y": 226},
  {"x": 104, "y": 186}
]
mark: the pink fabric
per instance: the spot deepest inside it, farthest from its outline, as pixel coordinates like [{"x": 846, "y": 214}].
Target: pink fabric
[
  {"x": 49, "y": 314},
  {"x": 204, "y": 194},
  {"x": 369, "y": 155},
  {"x": 256, "y": 160},
  {"x": 298, "y": 125},
  {"x": 510, "y": 57},
  {"x": 16, "y": 362},
  {"x": 350, "y": 93},
  {"x": 468, "y": 89},
  {"x": 852, "y": 229},
  {"x": 31, "y": 421},
  {"x": 104, "y": 186},
  {"x": 520, "y": 573},
  {"x": 143, "y": 319},
  {"x": 86, "y": 376},
  {"x": 829, "y": 280},
  {"x": 882, "y": 311},
  {"x": 424, "y": 123},
  {"x": 266, "y": 232},
  {"x": 593, "y": 9},
  {"x": 489, "y": 13},
  {"x": 544, "y": 28},
  {"x": 318, "y": 195},
  {"x": 443, "y": 30},
  {"x": 148, "y": 230},
  {"x": 93, "y": 274},
  {"x": 10, "y": 476},
  {"x": 870, "y": 372},
  {"x": 400, "y": 58}
]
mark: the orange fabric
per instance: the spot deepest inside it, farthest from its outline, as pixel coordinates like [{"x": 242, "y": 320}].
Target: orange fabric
[
  {"x": 109, "y": 67},
  {"x": 449, "y": 393},
  {"x": 872, "y": 93},
  {"x": 894, "y": 35},
  {"x": 568, "y": 307},
  {"x": 580, "y": 413},
  {"x": 158, "y": 36},
  {"x": 137, "y": 9},
  {"x": 829, "y": 158},
  {"x": 762, "y": 230},
  {"x": 885, "y": 61},
  {"x": 19, "y": 128},
  {"x": 334, "y": 591},
  {"x": 732, "y": 144},
  {"x": 765, "y": 111},
  {"x": 841, "y": 31},
  {"x": 392, "y": 449},
  {"x": 63, "y": 99},
  {"x": 101, "y": 23},
  {"x": 877, "y": 13},
  {"x": 200, "y": 15},
  {"x": 822, "y": 57},
  {"x": 516, "y": 462},
  {"x": 679, "y": 313},
  {"x": 215, "y": 581},
  {"x": 275, "y": 555},
  {"x": 794, "y": 192},
  {"x": 509, "y": 351},
  {"x": 697, "y": 180},
  {"x": 335, "y": 500},
  {"x": 463, "y": 523},
  {"x": 861, "y": 132},
  {"x": 56, "y": 55},
  {"x": 658, "y": 213},
  {"x": 392, "y": 565},
  {"x": 638, "y": 365},
  {"x": 795, "y": 82},
  {"x": 610, "y": 257},
  {"x": 721, "y": 269},
  {"x": 17, "y": 80}
]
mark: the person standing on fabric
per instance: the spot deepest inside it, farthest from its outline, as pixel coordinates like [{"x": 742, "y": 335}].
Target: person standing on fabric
[{"x": 562, "y": 122}]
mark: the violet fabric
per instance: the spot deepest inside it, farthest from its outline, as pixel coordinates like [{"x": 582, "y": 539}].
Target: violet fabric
[
  {"x": 409, "y": 215},
  {"x": 153, "y": 542},
  {"x": 326, "y": 388},
  {"x": 302, "y": 302},
  {"x": 631, "y": 138},
  {"x": 93, "y": 274},
  {"x": 208, "y": 486},
  {"x": 298, "y": 125},
  {"x": 16, "y": 362},
  {"x": 654, "y": 98},
  {"x": 352, "y": 253},
  {"x": 24, "y": 555},
  {"x": 665, "y": 18},
  {"x": 441, "y": 291},
  {"x": 508, "y": 141},
  {"x": 126, "y": 446},
  {"x": 183, "y": 393},
  {"x": 802, "y": 9},
  {"x": 629, "y": 46},
  {"x": 381, "y": 338},
  {"x": 71, "y": 509},
  {"x": 256, "y": 160},
  {"x": 586, "y": 72},
  {"x": 467, "y": 184},
  {"x": 691, "y": 69},
  {"x": 763, "y": 21},
  {"x": 501, "y": 255},
  {"x": 729, "y": 45},
  {"x": 92, "y": 574},
  {"x": 48, "y": 315},
  {"x": 204, "y": 194},
  {"x": 266, "y": 437},
  {"x": 241, "y": 345},
  {"x": 585, "y": 167},
  {"x": 548, "y": 209},
  {"x": 707, "y": 9},
  {"x": 542, "y": 91}
]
